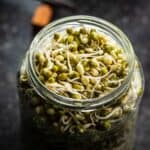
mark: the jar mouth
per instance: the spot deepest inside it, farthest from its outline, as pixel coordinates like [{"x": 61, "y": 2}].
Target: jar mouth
[{"x": 98, "y": 23}]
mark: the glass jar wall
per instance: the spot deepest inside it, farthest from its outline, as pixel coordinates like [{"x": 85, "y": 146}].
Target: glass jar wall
[{"x": 58, "y": 122}]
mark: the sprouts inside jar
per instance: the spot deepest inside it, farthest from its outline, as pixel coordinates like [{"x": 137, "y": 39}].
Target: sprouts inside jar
[{"x": 81, "y": 63}]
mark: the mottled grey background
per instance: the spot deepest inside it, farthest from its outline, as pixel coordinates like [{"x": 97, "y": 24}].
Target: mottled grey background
[{"x": 132, "y": 16}]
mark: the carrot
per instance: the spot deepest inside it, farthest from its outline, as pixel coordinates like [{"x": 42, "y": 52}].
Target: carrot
[{"x": 42, "y": 15}]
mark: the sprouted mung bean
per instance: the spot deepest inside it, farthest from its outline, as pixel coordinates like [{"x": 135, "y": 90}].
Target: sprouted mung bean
[{"x": 82, "y": 63}]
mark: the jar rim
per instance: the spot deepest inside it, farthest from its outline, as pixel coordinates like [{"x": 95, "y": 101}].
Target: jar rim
[{"x": 86, "y": 103}]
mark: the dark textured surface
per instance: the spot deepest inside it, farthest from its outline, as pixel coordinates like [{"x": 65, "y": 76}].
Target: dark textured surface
[{"x": 132, "y": 16}]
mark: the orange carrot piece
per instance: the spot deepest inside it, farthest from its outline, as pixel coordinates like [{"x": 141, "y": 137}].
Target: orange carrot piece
[{"x": 42, "y": 15}]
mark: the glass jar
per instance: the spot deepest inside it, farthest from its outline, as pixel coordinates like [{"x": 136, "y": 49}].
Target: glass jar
[{"x": 62, "y": 123}]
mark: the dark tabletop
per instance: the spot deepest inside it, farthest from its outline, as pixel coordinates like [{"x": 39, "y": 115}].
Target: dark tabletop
[{"x": 132, "y": 16}]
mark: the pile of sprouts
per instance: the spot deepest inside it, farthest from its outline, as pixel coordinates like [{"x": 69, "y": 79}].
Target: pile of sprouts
[{"x": 81, "y": 63}]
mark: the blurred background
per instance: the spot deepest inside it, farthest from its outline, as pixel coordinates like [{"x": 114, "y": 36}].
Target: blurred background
[{"x": 19, "y": 24}]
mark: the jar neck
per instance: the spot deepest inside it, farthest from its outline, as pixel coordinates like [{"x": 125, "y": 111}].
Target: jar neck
[{"x": 59, "y": 25}]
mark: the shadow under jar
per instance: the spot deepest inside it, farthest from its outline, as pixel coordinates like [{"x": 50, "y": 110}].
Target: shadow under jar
[{"x": 53, "y": 121}]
